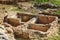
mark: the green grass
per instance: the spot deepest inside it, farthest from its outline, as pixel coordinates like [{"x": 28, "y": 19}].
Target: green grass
[
  {"x": 55, "y": 2},
  {"x": 9, "y": 7},
  {"x": 57, "y": 12},
  {"x": 41, "y": 1},
  {"x": 14, "y": 9},
  {"x": 55, "y": 37}
]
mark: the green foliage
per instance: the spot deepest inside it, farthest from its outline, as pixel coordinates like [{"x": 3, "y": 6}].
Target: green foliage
[
  {"x": 15, "y": 9},
  {"x": 57, "y": 12},
  {"x": 56, "y": 2},
  {"x": 41, "y": 1},
  {"x": 56, "y": 36}
]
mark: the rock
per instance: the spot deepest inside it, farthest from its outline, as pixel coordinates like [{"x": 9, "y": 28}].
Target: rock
[
  {"x": 4, "y": 35},
  {"x": 25, "y": 17}
]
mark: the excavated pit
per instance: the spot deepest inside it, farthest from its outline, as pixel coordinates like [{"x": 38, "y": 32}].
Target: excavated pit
[
  {"x": 45, "y": 19},
  {"x": 25, "y": 17},
  {"x": 12, "y": 21},
  {"x": 44, "y": 25},
  {"x": 42, "y": 28},
  {"x": 42, "y": 20}
]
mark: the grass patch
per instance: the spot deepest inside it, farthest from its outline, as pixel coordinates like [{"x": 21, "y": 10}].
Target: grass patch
[
  {"x": 41, "y": 1},
  {"x": 9, "y": 7},
  {"x": 14, "y": 9},
  {"x": 33, "y": 12},
  {"x": 55, "y": 37},
  {"x": 55, "y": 2},
  {"x": 57, "y": 12}
]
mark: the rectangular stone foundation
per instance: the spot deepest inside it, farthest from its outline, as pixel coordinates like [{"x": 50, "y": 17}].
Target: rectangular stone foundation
[
  {"x": 37, "y": 29},
  {"x": 36, "y": 26}
]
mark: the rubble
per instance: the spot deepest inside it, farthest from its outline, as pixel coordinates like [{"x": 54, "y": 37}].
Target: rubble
[{"x": 6, "y": 34}]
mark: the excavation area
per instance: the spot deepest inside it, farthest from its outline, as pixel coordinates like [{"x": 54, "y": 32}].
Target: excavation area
[
  {"x": 24, "y": 23},
  {"x": 29, "y": 20}
]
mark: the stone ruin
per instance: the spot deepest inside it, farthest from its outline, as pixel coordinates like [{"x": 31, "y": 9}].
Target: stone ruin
[
  {"x": 44, "y": 26},
  {"x": 29, "y": 26}
]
